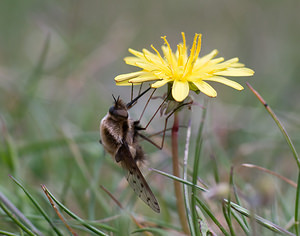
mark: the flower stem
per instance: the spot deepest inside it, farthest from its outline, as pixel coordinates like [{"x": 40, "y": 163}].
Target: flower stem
[{"x": 177, "y": 185}]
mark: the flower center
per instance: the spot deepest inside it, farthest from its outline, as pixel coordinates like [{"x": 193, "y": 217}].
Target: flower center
[{"x": 178, "y": 74}]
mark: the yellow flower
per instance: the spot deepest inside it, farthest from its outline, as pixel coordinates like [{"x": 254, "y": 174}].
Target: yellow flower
[{"x": 183, "y": 71}]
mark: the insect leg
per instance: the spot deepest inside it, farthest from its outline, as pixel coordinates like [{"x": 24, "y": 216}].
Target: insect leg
[
  {"x": 165, "y": 127},
  {"x": 168, "y": 129},
  {"x": 131, "y": 96},
  {"x": 153, "y": 114},
  {"x": 146, "y": 105},
  {"x": 140, "y": 89}
]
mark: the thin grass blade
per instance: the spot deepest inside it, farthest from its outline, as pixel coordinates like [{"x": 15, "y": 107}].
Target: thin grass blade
[
  {"x": 81, "y": 221},
  {"x": 293, "y": 149},
  {"x": 155, "y": 231},
  {"x": 196, "y": 163},
  {"x": 211, "y": 215},
  {"x": 266, "y": 223},
  {"x": 179, "y": 180},
  {"x": 7, "y": 233},
  {"x": 37, "y": 205},
  {"x": 12, "y": 215},
  {"x": 185, "y": 189},
  {"x": 228, "y": 219},
  {"x": 237, "y": 198},
  {"x": 240, "y": 221},
  {"x": 10, "y": 153}
]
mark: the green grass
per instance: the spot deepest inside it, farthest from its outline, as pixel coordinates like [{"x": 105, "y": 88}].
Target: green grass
[{"x": 57, "y": 63}]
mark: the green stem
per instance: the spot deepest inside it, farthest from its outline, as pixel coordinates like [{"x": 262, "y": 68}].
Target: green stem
[{"x": 177, "y": 187}]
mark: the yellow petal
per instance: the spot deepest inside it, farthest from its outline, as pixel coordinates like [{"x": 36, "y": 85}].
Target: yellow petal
[
  {"x": 237, "y": 64},
  {"x": 159, "y": 83},
  {"x": 144, "y": 78},
  {"x": 126, "y": 83},
  {"x": 128, "y": 76},
  {"x": 236, "y": 72},
  {"x": 151, "y": 58},
  {"x": 207, "y": 60},
  {"x": 134, "y": 61},
  {"x": 226, "y": 64},
  {"x": 225, "y": 81},
  {"x": 180, "y": 90},
  {"x": 136, "y": 53},
  {"x": 208, "y": 57},
  {"x": 216, "y": 61},
  {"x": 232, "y": 60},
  {"x": 206, "y": 88}
]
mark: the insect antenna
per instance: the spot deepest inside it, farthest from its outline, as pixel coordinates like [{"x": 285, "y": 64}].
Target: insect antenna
[{"x": 116, "y": 100}]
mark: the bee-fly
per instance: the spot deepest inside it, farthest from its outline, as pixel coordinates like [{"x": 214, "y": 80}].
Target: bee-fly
[{"x": 119, "y": 137}]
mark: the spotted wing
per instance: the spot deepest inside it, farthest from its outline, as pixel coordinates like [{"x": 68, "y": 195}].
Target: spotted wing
[{"x": 135, "y": 178}]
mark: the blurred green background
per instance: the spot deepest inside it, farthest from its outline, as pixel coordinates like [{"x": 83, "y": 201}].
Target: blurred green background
[{"x": 57, "y": 64}]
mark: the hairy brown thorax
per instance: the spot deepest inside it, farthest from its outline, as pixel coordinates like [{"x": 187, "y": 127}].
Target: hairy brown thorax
[{"x": 116, "y": 127}]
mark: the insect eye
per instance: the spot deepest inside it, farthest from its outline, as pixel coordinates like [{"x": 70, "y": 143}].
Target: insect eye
[{"x": 120, "y": 113}]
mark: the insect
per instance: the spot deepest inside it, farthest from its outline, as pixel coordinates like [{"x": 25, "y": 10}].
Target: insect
[{"x": 119, "y": 137}]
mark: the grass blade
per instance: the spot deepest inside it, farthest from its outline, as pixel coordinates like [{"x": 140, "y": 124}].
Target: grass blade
[
  {"x": 211, "y": 215},
  {"x": 215, "y": 168},
  {"x": 266, "y": 223},
  {"x": 7, "y": 233},
  {"x": 185, "y": 189},
  {"x": 228, "y": 219},
  {"x": 37, "y": 205},
  {"x": 10, "y": 153},
  {"x": 4, "y": 202},
  {"x": 237, "y": 198},
  {"x": 279, "y": 124},
  {"x": 290, "y": 182},
  {"x": 240, "y": 221},
  {"x": 156, "y": 231},
  {"x": 179, "y": 180},
  {"x": 293, "y": 149},
  {"x": 227, "y": 211},
  {"x": 297, "y": 206},
  {"x": 81, "y": 221},
  {"x": 196, "y": 168}
]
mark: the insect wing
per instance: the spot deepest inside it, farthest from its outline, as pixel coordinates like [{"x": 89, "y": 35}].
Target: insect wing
[{"x": 135, "y": 178}]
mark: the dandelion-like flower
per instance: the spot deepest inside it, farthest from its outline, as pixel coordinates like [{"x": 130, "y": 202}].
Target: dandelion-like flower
[{"x": 184, "y": 72}]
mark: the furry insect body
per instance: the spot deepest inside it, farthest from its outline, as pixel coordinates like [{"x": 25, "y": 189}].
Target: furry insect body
[{"x": 119, "y": 137}]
